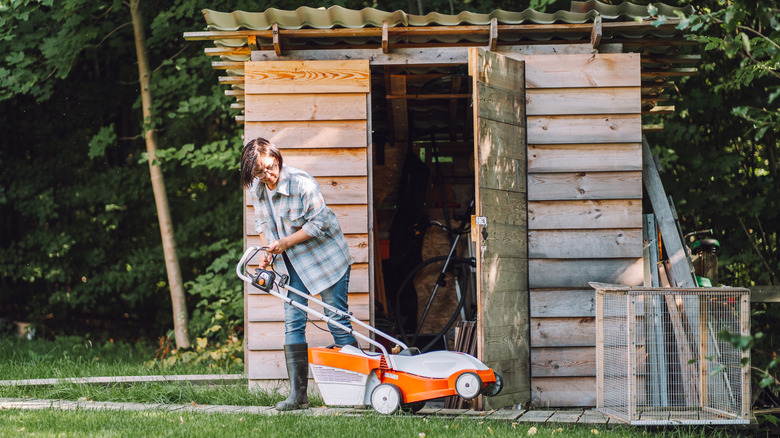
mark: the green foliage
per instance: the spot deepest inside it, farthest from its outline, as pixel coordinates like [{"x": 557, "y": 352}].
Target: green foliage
[
  {"x": 218, "y": 316},
  {"x": 105, "y": 137},
  {"x": 719, "y": 154},
  {"x": 725, "y": 136},
  {"x": 81, "y": 242}
]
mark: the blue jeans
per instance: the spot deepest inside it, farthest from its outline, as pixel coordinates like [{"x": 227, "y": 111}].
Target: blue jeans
[{"x": 295, "y": 319}]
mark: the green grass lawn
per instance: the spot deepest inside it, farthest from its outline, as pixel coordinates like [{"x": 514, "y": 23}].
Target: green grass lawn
[
  {"x": 75, "y": 357},
  {"x": 49, "y": 423},
  {"x": 79, "y": 357}
]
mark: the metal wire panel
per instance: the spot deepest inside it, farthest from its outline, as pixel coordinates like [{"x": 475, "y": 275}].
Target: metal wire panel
[{"x": 661, "y": 360}]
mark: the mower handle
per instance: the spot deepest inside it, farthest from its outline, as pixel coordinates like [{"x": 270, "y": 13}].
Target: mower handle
[{"x": 241, "y": 269}]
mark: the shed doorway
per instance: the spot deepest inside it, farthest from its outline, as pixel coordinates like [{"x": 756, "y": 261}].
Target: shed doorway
[{"x": 449, "y": 191}]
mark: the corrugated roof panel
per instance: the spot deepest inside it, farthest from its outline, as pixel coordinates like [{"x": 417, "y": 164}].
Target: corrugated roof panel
[
  {"x": 337, "y": 16},
  {"x": 303, "y": 17},
  {"x": 627, "y": 10}
]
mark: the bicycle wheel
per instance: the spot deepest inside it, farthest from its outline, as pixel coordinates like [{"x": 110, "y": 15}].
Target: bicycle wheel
[{"x": 441, "y": 294}]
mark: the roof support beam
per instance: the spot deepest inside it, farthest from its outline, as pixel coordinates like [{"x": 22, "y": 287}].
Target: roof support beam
[
  {"x": 595, "y": 34},
  {"x": 493, "y": 39},
  {"x": 430, "y": 56},
  {"x": 276, "y": 41},
  {"x": 251, "y": 41},
  {"x": 432, "y": 30},
  {"x": 399, "y": 110},
  {"x": 385, "y": 38}
]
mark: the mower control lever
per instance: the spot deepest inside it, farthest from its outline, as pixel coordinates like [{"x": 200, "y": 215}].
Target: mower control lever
[{"x": 263, "y": 280}]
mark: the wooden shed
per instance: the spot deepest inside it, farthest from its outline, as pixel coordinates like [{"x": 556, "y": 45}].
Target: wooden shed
[{"x": 537, "y": 116}]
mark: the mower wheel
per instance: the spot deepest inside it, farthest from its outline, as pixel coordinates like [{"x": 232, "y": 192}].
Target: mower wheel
[
  {"x": 468, "y": 385},
  {"x": 492, "y": 389},
  {"x": 386, "y": 398},
  {"x": 413, "y": 407}
]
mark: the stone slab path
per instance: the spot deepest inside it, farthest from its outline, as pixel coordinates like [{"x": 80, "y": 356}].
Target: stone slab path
[{"x": 570, "y": 416}]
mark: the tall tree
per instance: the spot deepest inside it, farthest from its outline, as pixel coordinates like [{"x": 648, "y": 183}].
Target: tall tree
[{"x": 180, "y": 316}]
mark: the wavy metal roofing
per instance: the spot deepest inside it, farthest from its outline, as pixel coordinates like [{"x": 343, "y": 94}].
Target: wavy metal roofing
[{"x": 337, "y": 16}]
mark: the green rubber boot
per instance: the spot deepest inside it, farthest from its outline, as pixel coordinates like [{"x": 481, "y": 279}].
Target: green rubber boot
[{"x": 297, "y": 358}]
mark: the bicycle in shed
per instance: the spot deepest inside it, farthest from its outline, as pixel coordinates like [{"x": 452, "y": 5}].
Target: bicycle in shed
[{"x": 449, "y": 283}]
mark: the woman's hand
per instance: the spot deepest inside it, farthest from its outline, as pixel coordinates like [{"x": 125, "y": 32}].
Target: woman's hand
[
  {"x": 278, "y": 246},
  {"x": 265, "y": 260}
]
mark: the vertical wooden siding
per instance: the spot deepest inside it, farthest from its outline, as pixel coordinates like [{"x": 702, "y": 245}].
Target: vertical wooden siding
[
  {"x": 316, "y": 112},
  {"x": 584, "y": 209}
]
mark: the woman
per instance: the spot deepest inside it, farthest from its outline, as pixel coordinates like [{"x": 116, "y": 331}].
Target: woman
[{"x": 296, "y": 226}]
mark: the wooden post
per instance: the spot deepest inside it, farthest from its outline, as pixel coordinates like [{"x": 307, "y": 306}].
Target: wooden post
[
  {"x": 703, "y": 354},
  {"x": 684, "y": 352},
  {"x": 680, "y": 268},
  {"x": 662, "y": 366},
  {"x": 599, "y": 349},
  {"x": 631, "y": 348},
  {"x": 277, "y": 40},
  {"x": 596, "y": 33},
  {"x": 385, "y": 38},
  {"x": 651, "y": 316},
  {"x": 658, "y": 324},
  {"x": 744, "y": 322},
  {"x": 398, "y": 110},
  {"x": 493, "y": 40}
]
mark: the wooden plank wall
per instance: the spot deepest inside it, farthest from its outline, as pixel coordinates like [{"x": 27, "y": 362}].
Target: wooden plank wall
[
  {"x": 584, "y": 209},
  {"x": 316, "y": 113}
]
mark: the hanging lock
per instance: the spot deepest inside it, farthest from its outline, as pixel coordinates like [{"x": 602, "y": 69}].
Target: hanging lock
[{"x": 482, "y": 221}]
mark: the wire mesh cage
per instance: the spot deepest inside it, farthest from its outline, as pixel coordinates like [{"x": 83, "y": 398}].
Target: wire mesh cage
[{"x": 660, "y": 359}]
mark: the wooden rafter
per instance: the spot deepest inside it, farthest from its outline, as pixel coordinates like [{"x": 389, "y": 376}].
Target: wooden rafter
[
  {"x": 668, "y": 73},
  {"x": 453, "y": 116},
  {"x": 251, "y": 41},
  {"x": 385, "y": 38},
  {"x": 493, "y": 38},
  {"x": 596, "y": 33},
  {"x": 227, "y": 65},
  {"x": 276, "y": 40},
  {"x": 660, "y": 110},
  {"x": 677, "y": 59},
  {"x": 228, "y": 51},
  {"x": 398, "y": 109},
  {"x": 231, "y": 80}
]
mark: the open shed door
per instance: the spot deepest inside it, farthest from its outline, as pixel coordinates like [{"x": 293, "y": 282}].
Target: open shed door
[{"x": 500, "y": 227}]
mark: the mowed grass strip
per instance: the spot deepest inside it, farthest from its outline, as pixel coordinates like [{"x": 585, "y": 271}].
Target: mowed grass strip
[
  {"x": 73, "y": 356},
  {"x": 167, "y": 393},
  {"x": 154, "y": 423}
]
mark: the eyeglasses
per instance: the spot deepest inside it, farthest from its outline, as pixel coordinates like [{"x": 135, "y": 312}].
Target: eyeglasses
[{"x": 272, "y": 168}]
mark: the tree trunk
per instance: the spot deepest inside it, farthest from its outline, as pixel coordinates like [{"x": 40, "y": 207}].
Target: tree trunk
[{"x": 180, "y": 318}]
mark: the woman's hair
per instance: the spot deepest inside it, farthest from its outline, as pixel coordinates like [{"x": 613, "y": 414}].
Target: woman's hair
[{"x": 253, "y": 150}]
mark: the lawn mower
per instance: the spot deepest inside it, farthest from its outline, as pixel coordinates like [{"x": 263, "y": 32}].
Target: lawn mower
[{"x": 349, "y": 376}]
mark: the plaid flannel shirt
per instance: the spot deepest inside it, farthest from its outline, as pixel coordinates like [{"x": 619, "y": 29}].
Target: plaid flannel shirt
[{"x": 323, "y": 259}]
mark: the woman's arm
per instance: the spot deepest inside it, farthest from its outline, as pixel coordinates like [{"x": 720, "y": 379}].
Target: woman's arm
[{"x": 281, "y": 245}]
